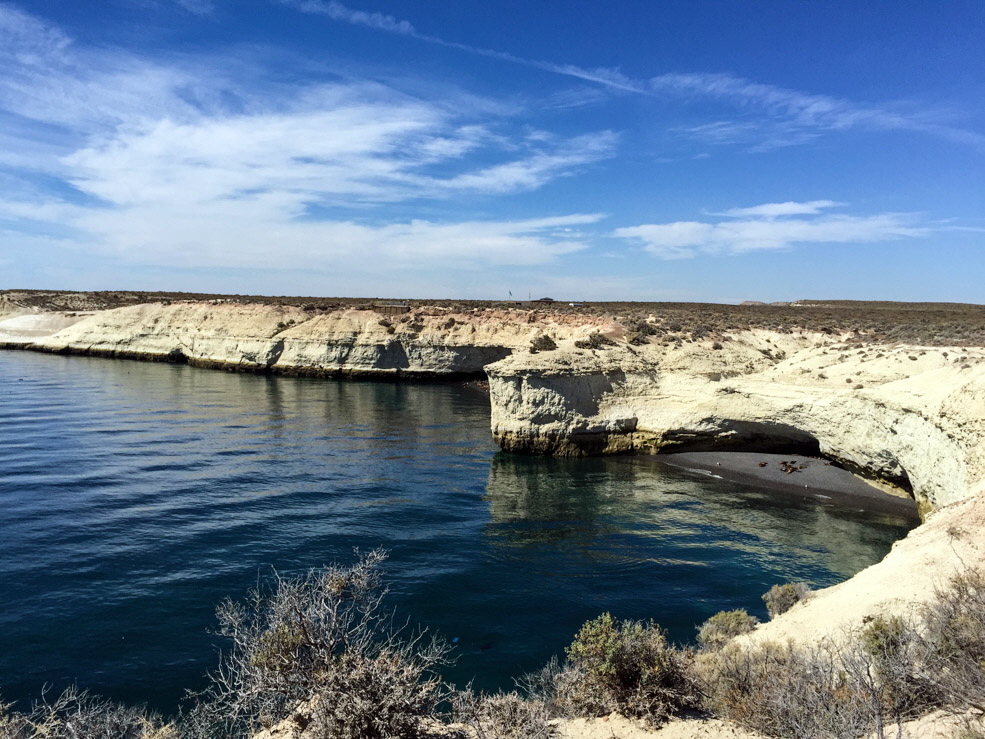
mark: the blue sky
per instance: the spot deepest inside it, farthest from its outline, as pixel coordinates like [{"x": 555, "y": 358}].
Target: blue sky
[{"x": 678, "y": 150}]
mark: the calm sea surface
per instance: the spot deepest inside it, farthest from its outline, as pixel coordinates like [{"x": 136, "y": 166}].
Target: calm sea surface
[{"x": 134, "y": 497}]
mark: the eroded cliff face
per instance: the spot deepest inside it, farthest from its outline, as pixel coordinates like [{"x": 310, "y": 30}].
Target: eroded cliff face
[
  {"x": 909, "y": 418},
  {"x": 426, "y": 343}
]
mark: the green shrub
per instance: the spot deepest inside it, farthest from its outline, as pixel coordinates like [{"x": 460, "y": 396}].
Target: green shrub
[
  {"x": 781, "y": 598},
  {"x": 723, "y": 626},
  {"x": 542, "y": 343},
  {"x": 627, "y": 667},
  {"x": 594, "y": 340}
]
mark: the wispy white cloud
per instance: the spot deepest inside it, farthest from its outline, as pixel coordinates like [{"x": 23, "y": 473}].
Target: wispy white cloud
[
  {"x": 27, "y": 39},
  {"x": 775, "y": 116},
  {"x": 195, "y": 7},
  {"x": 69, "y": 93},
  {"x": 250, "y": 190},
  {"x": 254, "y": 235},
  {"x": 192, "y": 127},
  {"x": 369, "y": 146},
  {"x": 339, "y": 12},
  {"x": 198, "y": 7},
  {"x": 177, "y": 165},
  {"x": 789, "y": 208},
  {"x": 768, "y": 227},
  {"x": 762, "y": 116}
]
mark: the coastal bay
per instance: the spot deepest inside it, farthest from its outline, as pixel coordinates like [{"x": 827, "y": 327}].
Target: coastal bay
[{"x": 891, "y": 406}]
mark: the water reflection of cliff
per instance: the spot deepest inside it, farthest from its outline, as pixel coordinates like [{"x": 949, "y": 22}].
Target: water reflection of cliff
[
  {"x": 278, "y": 412},
  {"x": 638, "y": 509}
]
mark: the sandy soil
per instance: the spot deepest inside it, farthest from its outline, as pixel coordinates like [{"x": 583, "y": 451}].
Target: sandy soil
[
  {"x": 23, "y": 328},
  {"x": 617, "y": 727},
  {"x": 807, "y": 477},
  {"x": 938, "y": 725}
]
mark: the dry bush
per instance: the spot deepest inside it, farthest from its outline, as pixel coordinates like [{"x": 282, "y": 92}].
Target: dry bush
[
  {"x": 75, "y": 714},
  {"x": 864, "y": 684},
  {"x": 638, "y": 331},
  {"x": 783, "y": 692},
  {"x": 869, "y": 683},
  {"x": 970, "y": 728},
  {"x": 627, "y": 667},
  {"x": 955, "y": 637},
  {"x": 594, "y": 340},
  {"x": 885, "y": 662},
  {"x": 781, "y": 598},
  {"x": 503, "y": 716},
  {"x": 889, "y": 656},
  {"x": 323, "y": 638},
  {"x": 542, "y": 343},
  {"x": 700, "y": 331},
  {"x": 721, "y": 628}
]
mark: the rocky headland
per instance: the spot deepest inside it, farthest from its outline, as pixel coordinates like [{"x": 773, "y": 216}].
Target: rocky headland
[
  {"x": 896, "y": 397},
  {"x": 387, "y": 342}
]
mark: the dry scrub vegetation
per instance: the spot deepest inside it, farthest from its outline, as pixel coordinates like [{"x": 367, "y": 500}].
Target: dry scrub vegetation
[
  {"x": 319, "y": 657},
  {"x": 932, "y": 324}
]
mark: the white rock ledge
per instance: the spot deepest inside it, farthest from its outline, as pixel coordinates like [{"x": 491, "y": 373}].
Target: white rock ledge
[{"x": 426, "y": 343}]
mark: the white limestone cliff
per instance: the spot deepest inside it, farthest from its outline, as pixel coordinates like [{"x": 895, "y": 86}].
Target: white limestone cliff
[
  {"x": 910, "y": 418},
  {"x": 423, "y": 343}
]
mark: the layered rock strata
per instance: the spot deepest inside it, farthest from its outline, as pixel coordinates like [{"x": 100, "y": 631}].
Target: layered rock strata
[{"x": 420, "y": 344}]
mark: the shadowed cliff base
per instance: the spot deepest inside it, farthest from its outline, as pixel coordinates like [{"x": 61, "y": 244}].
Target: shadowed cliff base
[{"x": 256, "y": 368}]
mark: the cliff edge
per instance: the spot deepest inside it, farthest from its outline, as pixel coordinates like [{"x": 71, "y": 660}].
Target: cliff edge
[{"x": 421, "y": 343}]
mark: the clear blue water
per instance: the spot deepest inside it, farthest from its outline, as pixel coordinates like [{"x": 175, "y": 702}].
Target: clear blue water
[{"x": 134, "y": 497}]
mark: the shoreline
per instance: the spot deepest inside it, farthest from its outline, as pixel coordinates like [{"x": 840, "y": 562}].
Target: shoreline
[
  {"x": 324, "y": 373},
  {"x": 811, "y": 478}
]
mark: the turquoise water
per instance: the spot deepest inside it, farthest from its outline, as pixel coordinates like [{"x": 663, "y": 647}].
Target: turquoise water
[{"x": 135, "y": 496}]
